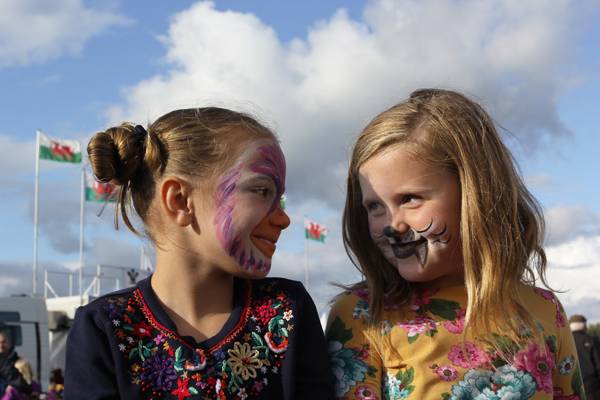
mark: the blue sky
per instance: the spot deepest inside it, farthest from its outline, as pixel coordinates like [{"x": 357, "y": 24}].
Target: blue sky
[{"x": 316, "y": 72}]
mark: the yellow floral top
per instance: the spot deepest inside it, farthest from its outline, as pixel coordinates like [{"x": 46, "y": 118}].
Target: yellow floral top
[{"x": 423, "y": 356}]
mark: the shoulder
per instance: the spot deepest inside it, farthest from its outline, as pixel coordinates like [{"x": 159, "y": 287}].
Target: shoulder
[
  {"x": 278, "y": 287},
  {"x": 544, "y": 306},
  {"x": 104, "y": 308},
  {"x": 351, "y": 305}
]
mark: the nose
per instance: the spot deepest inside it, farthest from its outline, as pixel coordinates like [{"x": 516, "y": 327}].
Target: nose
[
  {"x": 279, "y": 218},
  {"x": 398, "y": 223}
]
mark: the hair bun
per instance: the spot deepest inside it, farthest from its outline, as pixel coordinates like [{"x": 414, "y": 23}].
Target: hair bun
[{"x": 117, "y": 153}]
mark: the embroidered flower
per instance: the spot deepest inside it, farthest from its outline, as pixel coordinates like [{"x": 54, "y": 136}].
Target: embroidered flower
[
  {"x": 116, "y": 322},
  {"x": 182, "y": 390},
  {"x": 457, "y": 325},
  {"x": 141, "y": 329},
  {"x": 538, "y": 363},
  {"x": 265, "y": 311},
  {"x": 288, "y": 315},
  {"x": 159, "y": 338},
  {"x": 243, "y": 360},
  {"x": 158, "y": 371},
  {"x": 277, "y": 343},
  {"x": 364, "y": 392},
  {"x": 471, "y": 357},
  {"x": 446, "y": 372},
  {"x": 122, "y": 347},
  {"x": 566, "y": 365},
  {"x": 242, "y": 394}
]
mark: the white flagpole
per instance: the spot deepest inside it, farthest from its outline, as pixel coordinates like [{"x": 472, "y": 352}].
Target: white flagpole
[
  {"x": 306, "y": 239},
  {"x": 81, "y": 231},
  {"x": 35, "y": 211}
]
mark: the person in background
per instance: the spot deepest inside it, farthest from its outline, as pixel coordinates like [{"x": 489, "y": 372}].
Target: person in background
[
  {"x": 13, "y": 385},
  {"x": 588, "y": 351}
]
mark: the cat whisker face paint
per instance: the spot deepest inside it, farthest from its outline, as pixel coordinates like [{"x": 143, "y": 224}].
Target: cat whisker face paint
[
  {"x": 413, "y": 211},
  {"x": 246, "y": 196},
  {"x": 416, "y": 242}
]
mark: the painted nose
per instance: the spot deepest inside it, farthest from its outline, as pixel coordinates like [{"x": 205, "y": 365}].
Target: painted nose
[
  {"x": 279, "y": 218},
  {"x": 398, "y": 224}
]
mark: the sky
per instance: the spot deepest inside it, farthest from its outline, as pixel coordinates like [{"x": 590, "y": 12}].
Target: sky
[{"x": 315, "y": 72}]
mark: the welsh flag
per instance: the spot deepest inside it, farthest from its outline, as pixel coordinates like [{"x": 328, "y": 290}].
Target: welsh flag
[
  {"x": 99, "y": 191},
  {"x": 314, "y": 231},
  {"x": 59, "y": 149}
]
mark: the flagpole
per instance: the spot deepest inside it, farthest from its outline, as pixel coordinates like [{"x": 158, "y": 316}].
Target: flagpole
[
  {"x": 306, "y": 240},
  {"x": 35, "y": 212},
  {"x": 81, "y": 231}
]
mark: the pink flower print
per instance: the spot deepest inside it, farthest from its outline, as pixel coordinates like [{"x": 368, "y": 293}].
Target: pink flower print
[
  {"x": 469, "y": 357},
  {"x": 422, "y": 297},
  {"x": 418, "y": 325},
  {"x": 538, "y": 364},
  {"x": 159, "y": 339},
  {"x": 363, "y": 293},
  {"x": 458, "y": 324},
  {"x": 446, "y": 372},
  {"x": 561, "y": 321},
  {"x": 363, "y": 392}
]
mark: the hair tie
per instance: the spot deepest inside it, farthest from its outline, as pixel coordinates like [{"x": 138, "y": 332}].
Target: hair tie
[{"x": 140, "y": 130}]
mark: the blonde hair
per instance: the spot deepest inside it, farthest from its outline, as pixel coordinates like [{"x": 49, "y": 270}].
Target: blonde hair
[
  {"x": 195, "y": 143},
  {"x": 501, "y": 224}
]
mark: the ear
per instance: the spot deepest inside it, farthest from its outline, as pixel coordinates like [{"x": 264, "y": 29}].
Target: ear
[{"x": 176, "y": 201}]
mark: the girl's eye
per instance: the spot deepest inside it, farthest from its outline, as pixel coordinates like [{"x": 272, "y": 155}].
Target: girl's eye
[
  {"x": 409, "y": 199},
  {"x": 261, "y": 191},
  {"x": 373, "y": 207}
]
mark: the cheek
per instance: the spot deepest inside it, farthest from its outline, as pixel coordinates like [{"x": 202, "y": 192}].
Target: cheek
[
  {"x": 247, "y": 215},
  {"x": 376, "y": 226}
]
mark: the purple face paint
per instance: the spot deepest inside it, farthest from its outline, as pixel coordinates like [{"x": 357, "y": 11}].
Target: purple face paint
[
  {"x": 234, "y": 232},
  {"x": 272, "y": 164}
]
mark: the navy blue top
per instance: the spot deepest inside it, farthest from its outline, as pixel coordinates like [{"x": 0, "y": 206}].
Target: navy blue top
[{"x": 124, "y": 345}]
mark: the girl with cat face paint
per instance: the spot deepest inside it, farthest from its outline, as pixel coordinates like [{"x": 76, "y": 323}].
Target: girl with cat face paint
[
  {"x": 206, "y": 183},
  {"x": 448, "y": 240}
]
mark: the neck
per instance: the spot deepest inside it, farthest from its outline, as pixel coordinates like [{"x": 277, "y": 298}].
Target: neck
[{"x": 189, "y": 289}]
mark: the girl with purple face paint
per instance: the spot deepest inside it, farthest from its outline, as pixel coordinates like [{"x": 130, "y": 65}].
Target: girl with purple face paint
[
  {"x": 449, "y": 242},
  {"x": 206, "y": 184}
]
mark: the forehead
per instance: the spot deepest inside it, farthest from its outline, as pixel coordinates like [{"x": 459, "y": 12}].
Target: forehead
[
  {"x": 398, "y": 169},
  {"x": 255, "y": 150}
]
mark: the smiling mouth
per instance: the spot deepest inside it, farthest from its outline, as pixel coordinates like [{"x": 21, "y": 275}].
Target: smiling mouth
[
  {"x": 407, "y": 249},
  {"x": 264, "y": 244}
]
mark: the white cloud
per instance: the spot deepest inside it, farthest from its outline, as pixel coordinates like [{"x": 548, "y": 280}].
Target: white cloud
[
  {"x": 574, "y": 267},
  {"x": 318, "y": 91},
  {"x": 322, "y": 89},
  {"x": 32, "y": 31},
  {"x": 565, "y": 223}
]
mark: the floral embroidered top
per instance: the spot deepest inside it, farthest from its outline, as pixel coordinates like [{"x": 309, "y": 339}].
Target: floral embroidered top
[
  {"x": 124, "y": 345},
  {"x": 423, "y": 356}
]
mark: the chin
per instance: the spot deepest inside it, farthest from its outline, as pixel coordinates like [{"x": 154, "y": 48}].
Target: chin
[{"x": 410, "y": 270}]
